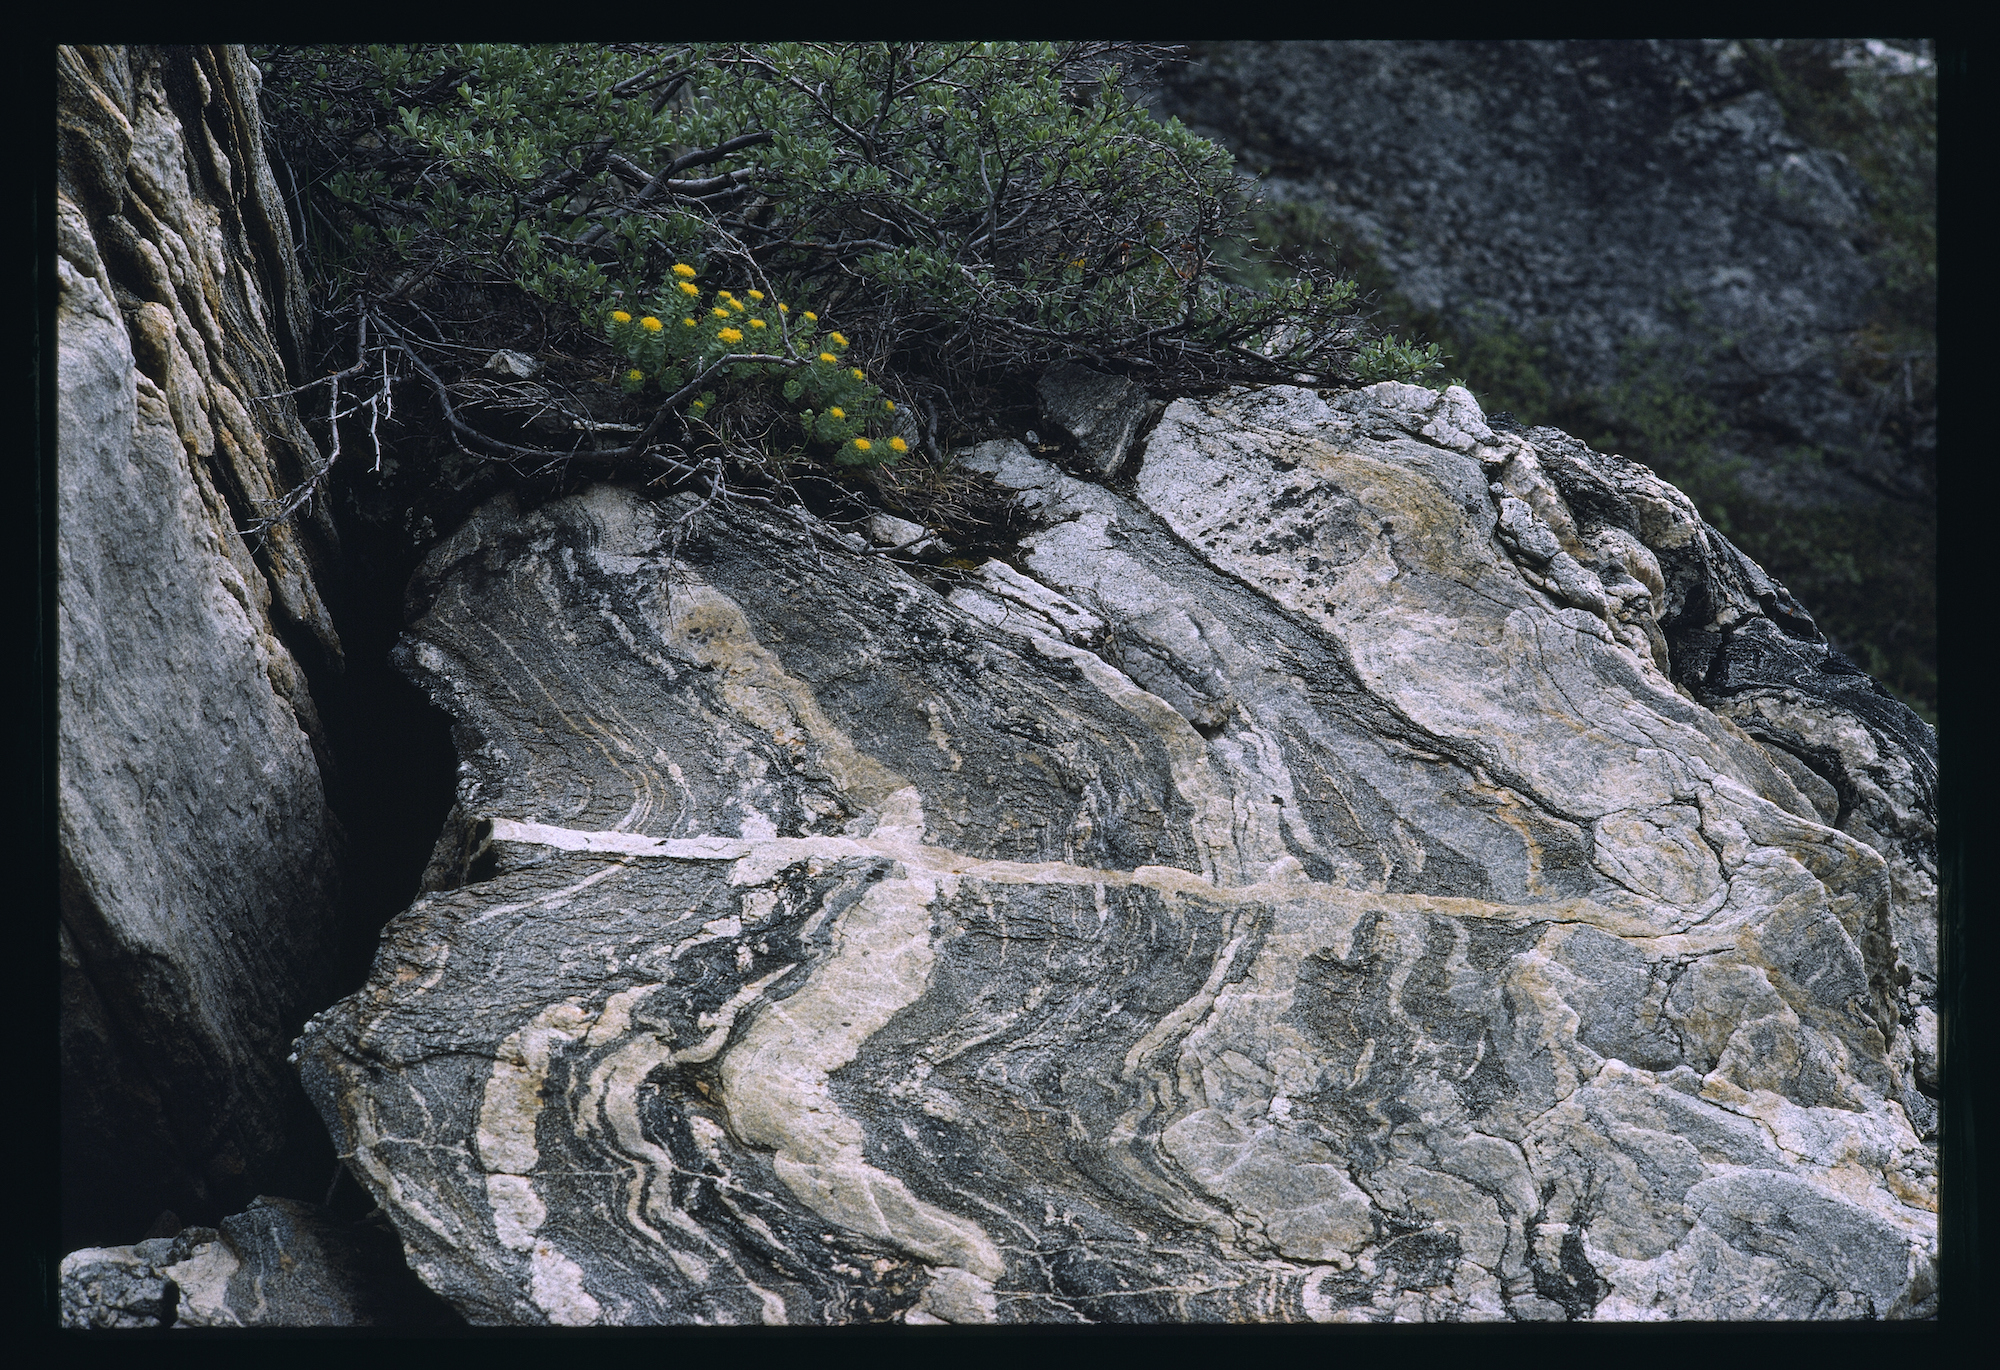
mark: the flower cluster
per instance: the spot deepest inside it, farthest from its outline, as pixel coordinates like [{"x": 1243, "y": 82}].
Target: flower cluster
[{"x": 755, "y": 339}]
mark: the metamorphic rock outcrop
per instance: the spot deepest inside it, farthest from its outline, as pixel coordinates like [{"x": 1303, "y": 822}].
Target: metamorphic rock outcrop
[
  {"x": 1375, "y": 867},
  {"x": 201, "y": 861}
]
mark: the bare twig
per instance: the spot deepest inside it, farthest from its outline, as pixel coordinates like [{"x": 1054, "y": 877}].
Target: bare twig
[{"x": 300, "y": 495}]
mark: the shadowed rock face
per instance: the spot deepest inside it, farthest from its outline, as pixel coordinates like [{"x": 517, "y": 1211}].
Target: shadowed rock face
[
  {"x": 1307, "y": 888},
  {"x": 1592, "y": 192},
  {"x": 199, "y": 876},
  {"x": 279, "y": 1263}
]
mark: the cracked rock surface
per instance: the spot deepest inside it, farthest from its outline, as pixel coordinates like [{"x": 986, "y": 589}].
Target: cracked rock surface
[
  {"x": 1381, "y": 868},
  {"x": 279, "y": 1263}
]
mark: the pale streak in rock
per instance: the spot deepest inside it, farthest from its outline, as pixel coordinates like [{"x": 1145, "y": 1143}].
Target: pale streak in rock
[
  {"x": 506, "y": 1145},
  {"x": 775, "y": 1078}
]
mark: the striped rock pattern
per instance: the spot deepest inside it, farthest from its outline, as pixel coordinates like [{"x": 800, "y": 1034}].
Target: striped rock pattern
[{"x": 1302, "y": 887}]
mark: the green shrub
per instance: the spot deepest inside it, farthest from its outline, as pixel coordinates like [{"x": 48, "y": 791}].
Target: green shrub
[
  {"x": 1278, "y": 242},
  {"x": 972, "y": 212},
  {"x": 1386, "y": 359}
]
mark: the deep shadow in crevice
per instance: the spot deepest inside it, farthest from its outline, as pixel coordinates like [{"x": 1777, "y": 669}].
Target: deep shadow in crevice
[{"x": 395, "y": 765}]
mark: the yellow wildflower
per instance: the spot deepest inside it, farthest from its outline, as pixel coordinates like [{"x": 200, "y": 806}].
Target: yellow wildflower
[
  {"x": 635, "y": 374},
  {"x": 690, "y": 288},
  {"x": 684, "y": 271},
  {"x": 724, "y": 295},
  {"x": 650, "y": 324},
  {"x": 736, "y": 305},
  {"x": 756, "y": 323},
  {"x": 731, "y": 335},
  {"x": 889, "y": 406},
  {"x": 856, "y": 373},
  {"x": 837, "y": 412},
  {"x": 828, "y": 357},
  {"x": 838, "y": 339},
  {"x": 811, "y": 317},
  {"x": 620, "y": 316},
  {"x": 898, "y": 445},
  {"x": 688, "y": 322},
  {"x": 862, "y": 444},
  {"x": 719, "y": 312},
  {"x": 784, "y": 308},
  {"x": 756, "y": 294}
]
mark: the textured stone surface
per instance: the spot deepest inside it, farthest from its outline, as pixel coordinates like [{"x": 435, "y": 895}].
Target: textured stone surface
[
  {"x": 1739, "y": 644},
  {"x": 1101, "y": 414},
  {"x": 1308, "y": 889},
  {"x": 198, "y": 878},
  {"x": 279, "y": 1263},
  {"x": 120, "y": 1286},
  {"x": 1590, "y": 193}
]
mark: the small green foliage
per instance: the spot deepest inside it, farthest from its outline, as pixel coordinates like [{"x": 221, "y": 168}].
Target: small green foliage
[
  {"x": 1387, "y": 359},
  {"x": 1282, "y": 242},
  {"x": 752, "y": 340}
]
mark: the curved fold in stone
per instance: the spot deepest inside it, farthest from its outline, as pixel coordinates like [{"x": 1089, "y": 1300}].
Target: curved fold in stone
[{"x": 1350, "y": 929}]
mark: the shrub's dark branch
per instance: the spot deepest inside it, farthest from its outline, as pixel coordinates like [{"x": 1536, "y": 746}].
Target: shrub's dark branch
[
  {"x": 360, "y": 364},
  {"x": 693, "y": 388},
  {"x": 719, "y": 151},
  {"x": 671, "y": 89},
  {"x": 818, "y": 94},
  {"x": 664, "y": 179},
  {"x": 563, "y": 182},
  {"x": 451, "y": 417},
  {"x": 632, "y": 85},
  {"x": 840, "y": 248},
  {"x": 705, "y": 186}
]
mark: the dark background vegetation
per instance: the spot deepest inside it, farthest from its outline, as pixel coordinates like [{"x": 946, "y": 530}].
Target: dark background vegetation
[
  {"x": 1010, "y": 210},
  {"x": 1865, "y": 567}
]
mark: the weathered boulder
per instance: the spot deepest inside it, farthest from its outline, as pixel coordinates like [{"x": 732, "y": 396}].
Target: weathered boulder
[
  {"x": 279, "y": 1263},
  {"x": 120, "y": 1287},
  {"x": 1744, "y": 648},
  {"x": 1309, "y": 888},
  {"x": 199, "y": 881}
]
